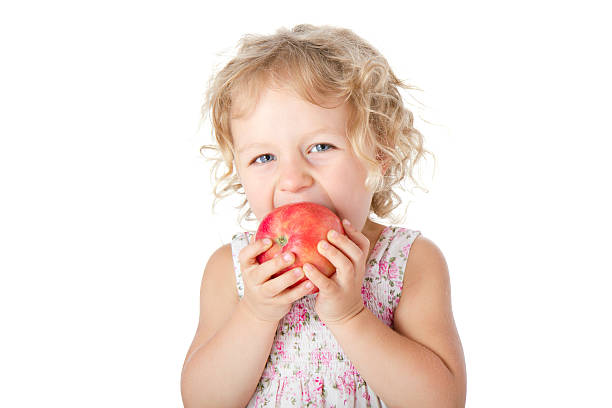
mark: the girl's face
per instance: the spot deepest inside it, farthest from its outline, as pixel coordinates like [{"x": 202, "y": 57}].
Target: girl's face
[{"x": 289, "y": 150}]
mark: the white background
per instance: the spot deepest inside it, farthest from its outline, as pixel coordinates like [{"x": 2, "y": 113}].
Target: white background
[{"x": 106, "y": 225}]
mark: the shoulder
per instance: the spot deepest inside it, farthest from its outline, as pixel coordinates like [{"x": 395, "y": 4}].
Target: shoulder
[
  {"x": 219, "y": 272},
  {"x": 221, "y": 256},
  {"x": 426, "y": 279},
  {"x": 425, "y": 262}
]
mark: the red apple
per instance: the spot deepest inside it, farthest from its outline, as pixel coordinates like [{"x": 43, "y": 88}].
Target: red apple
[{"x": 298, "y": 228}]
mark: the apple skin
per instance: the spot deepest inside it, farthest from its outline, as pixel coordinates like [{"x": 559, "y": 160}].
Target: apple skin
[{"x": 298, "y": 228}]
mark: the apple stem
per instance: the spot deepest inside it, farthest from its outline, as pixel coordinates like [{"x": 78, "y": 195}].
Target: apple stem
[{"x": 282, "y": 241}]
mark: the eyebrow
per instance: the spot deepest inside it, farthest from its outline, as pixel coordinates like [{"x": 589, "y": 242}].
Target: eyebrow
[{"x": 328, "y": 131}]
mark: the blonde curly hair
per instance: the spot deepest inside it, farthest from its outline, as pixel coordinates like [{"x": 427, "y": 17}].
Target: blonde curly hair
[{"x": 320, "y": 63}]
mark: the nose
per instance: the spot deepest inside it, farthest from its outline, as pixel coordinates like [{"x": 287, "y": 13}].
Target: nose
[{"x": 294, "y": 175}]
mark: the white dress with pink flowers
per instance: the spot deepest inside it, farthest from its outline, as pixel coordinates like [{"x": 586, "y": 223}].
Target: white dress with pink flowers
[{"x": 307, "y": 367}]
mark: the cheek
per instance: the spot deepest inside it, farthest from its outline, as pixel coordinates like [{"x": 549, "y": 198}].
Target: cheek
[
  {"x": 351, "y": 178},
  {"x": 257, "y": 195},
  {"x": 349, "y": 190}
]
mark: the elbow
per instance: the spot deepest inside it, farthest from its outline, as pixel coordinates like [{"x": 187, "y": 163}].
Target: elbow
[
  {"x": 449, "y": 392},
  {"x": 456, "y": 396},
  {"x": 451, "y": 389},
  {"x": 460, "y": 388},
  {"x": 453, "y": 394},
  {"x": 187, "y": 395},
  {"x": 191, "y": 393},
  {"x": 195, "y": 395}
]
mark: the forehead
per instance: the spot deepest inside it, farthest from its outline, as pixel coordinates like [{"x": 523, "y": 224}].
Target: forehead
[
  {"x": 246, "y": 89},
  {"x": 281, "y": 111},
  {"x": 246, "y": 94}
]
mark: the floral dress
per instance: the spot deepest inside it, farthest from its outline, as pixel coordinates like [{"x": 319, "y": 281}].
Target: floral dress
[{"x": 307, "y": 367}]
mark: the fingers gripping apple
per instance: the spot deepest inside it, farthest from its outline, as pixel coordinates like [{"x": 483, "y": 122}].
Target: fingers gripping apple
[{"x": 298, "y": 228}]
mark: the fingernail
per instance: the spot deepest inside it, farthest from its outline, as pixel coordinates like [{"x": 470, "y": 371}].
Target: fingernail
[
  {"x": 288, "y": 257},
  {"x": 307, "y": 267},
  {"x": 309, "y": 285},
  {"x": 324, "y": 244},
  {"x": 267, "y": 241},
  {"x": 333, "y": 234},
  {"x": 347, "y": 222}
]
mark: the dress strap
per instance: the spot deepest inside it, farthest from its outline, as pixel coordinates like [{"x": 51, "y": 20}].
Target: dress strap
[
  {"x": 239, "y": 241},
  {"x": 383, "y": 281}
]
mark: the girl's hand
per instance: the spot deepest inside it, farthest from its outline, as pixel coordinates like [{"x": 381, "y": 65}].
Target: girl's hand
[
  {"x": 339, "y": 297},
  {"x": 269, "y": 299}
]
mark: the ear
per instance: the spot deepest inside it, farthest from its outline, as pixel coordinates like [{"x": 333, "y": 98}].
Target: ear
[
  {"x": 385, "y": 166},
  {"x": 384, "y": 163}
]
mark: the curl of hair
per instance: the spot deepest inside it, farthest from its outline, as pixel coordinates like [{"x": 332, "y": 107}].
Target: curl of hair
[{"x": 321, "y": 64}]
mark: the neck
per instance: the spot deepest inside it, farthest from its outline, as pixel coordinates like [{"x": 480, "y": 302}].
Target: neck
[{"x": 372, "y": 231}]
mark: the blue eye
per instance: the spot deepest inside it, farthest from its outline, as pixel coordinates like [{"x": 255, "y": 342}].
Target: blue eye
[
  {"x": 323, "y": 144},
  {"x": 263, "y": 155},
  {"x": 268, "y": 157}
]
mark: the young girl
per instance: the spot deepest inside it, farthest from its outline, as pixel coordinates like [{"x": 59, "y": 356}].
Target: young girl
[{"x": 314, "y": 114}]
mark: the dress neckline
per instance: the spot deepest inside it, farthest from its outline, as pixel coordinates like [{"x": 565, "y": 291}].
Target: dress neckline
[{"x": 376, "y": 248}]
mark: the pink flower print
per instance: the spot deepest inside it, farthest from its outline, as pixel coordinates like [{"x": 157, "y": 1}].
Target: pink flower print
[
  {"x": 312, "y": 391},
  {"x": 346, "y": 382},
  {"x": 269, "y": 373},
  {"x": 393, "y": 272},
  {"x": 387, "y": 316},
  {"x": 318, "y": 383},
  {"x": 321, "y": 357},
  {"x": 405, "y": 250},
  {"x": 280, "y": 349},
  {"x": 390, "y": 271},
  {"x": 366, "y": 395},
  {"x": 366, "y": 293},
  {"x": 282, "y": 390},
  {"x": 382, "y": 267},
  {"x": 296, "y": 317}
]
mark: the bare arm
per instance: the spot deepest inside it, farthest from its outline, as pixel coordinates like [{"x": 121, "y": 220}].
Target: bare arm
[
  {"x": 234, "y": 337},
  {"x": 225, "y": 371},
  {"x": 401, "y": 371},
  {"x": 420, "y": 363}
]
